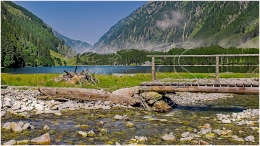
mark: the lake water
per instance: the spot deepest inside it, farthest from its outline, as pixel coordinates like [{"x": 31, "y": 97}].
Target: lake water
[{"x": 128, "y": 69}]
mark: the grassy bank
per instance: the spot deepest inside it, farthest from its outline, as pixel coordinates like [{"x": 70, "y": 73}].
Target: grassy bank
[{"x": 107, "y": 82}]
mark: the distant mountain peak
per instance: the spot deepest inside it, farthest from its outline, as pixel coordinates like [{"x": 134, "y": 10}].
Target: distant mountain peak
[{"x": 77, "y": 45}]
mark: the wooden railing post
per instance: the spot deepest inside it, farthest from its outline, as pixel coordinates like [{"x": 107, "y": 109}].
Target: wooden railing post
[
  {"x": 217, "y": 69},
  {"x": 153, "y": 70}
]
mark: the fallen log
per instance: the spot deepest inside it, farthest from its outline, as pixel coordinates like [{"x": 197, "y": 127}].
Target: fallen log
[{"x": 85, "y": 95}]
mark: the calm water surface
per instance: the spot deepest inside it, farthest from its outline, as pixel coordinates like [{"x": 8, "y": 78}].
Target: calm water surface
[{"x": 128, "y": 69}]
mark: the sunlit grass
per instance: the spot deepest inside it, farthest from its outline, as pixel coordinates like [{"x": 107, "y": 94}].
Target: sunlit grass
[{"x": 107, "y": 82}]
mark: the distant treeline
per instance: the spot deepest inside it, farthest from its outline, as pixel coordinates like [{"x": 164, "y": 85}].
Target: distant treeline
[{"x": 138, "y": 57}]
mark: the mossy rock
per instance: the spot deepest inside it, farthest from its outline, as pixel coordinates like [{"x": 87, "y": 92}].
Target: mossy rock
[
  {"x": 151, "y": 96},
  {"x": 210, "y": 135},
  {"x": 129, "y": 124},
  {"x": 186, "y": 123},
  {"x": 83, "y": 126}
]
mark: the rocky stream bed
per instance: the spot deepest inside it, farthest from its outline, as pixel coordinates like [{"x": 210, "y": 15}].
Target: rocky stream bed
[{"x": 190, "y": 118}]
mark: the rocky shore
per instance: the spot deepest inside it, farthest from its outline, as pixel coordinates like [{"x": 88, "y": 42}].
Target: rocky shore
[{"x": 26, "y": 102}]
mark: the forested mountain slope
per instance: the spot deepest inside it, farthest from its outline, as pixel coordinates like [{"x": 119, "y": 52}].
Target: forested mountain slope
[
  {"x": 25, "y": 39},
  {"x": 226, "y": 23},
  {"x": 78, "y": 46}
]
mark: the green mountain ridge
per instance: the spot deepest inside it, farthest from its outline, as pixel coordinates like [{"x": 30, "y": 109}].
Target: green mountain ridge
[
  {"x": 25, "y": 39},
  {"x": 167, "y": 24}
]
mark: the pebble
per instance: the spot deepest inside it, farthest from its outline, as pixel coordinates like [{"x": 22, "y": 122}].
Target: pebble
[
  {"x": 3, "y": 113},
  {"x": 226, "y": 121},
  {"x": 168, "y": 137},
  {"x": 46, "y": 127},
  {"x": 82, "y": 133},
  {"x": 26, "y": 126},
  {"x": 250, "y": 138},
  {"x": 91, "y": 133}
]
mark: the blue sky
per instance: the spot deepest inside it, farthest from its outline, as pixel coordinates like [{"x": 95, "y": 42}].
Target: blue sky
[{"x": 81, "y": 20}]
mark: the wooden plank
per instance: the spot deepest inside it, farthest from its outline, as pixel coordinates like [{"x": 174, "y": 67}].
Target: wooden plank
[
  {"x": 239, "y": 84},
  {"x": 255, "y": 84},
  {"x": 217, "y": 69},
  {"x": 247, "y": 84},
  {"x": 222, "y": 55},
  {"x": 153, "y": 70},
  {"x": 237, "y": 90},
  {"x": 224, "y": 85}
]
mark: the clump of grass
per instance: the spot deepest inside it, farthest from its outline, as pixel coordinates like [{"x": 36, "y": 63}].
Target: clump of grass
[{"x": 107, "y": 82}]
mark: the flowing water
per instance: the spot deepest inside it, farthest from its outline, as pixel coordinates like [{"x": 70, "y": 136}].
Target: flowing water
[{"x": 63, "y": 129}]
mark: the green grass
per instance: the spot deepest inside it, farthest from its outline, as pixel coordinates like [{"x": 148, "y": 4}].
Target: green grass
[
  {"x": 107, "y": 82},
  {"x": 69, "y": 61}
]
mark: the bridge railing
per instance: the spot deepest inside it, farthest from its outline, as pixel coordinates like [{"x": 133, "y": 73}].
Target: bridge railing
[{"x": 216, "y": 65}]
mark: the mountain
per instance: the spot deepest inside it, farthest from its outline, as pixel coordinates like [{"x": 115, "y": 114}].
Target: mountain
[
  {"x": 162, "y": 25},
  {"x": 26, "y": 40},
  {"x": 77, "y": 45}
]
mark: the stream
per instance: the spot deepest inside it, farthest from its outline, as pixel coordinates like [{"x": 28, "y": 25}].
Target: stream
[{"x": 64, "y": 129}]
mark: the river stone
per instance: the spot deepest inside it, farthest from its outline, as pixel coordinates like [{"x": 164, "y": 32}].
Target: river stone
[
  {"x": 217, "y": 131},
  {"x": 129, "y": 124},
  {"x": 46, "y": 127},
  {"x": 161, "y": 106},
  {"x": 25, "y": 108},
  {"x": 226, "y": 121},
  {"x": 185, "y": 134},
  {"x": 20, "y": 124},
  {"x": 23, "y": 142},
  {"x": 141, "y": 138},
  {"x": 186, "y": 139},
  {"x": 3, "y": 113},
  {"x": 91, "y": 133},
  {"x": 16, "y": 106},
  {"x": 44, "y": 139},
  {"x": 107, "y": 102},
  {"x": 26, "y": 126},
  {"x": 106, "y": 107},
  {"x": 11, "y": 142},
  {"x": 39, "y": 107},
  {"x": 15, "y": 127},
  {"x": 168, "y": 137},
  {"x": 201, "y": 142},
  {"x": 118, "y": 117},
  {"x": 84, "y": 134},
  {"x": 254, "y": 128},
  {"x": 250, "y": 138},
  {"x": 55, "y": 107},
  {"x": 117, "y": 143},
  {"x": 7, "y": 102},
  {"x": 6, "y": 126}
]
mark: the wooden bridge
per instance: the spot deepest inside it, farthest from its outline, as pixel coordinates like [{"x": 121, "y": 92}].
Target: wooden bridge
[
  {"x": 238, "y": 88},
  {"x": 217, "y": 87}
]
